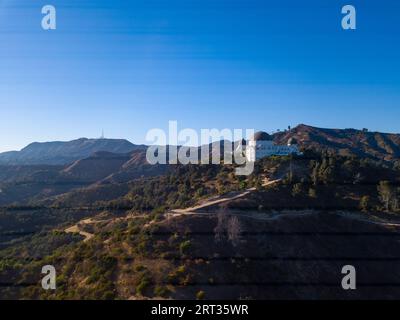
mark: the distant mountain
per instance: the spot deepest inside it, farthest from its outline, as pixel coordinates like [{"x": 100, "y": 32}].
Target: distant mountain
[
  {"x": 62, "y": 153},
  {"x": 361, "y": 143}
]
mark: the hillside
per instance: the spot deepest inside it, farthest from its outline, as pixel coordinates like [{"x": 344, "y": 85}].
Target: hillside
[
  {"x": 201, "y": 231},
  {"x": 96, "y": 167},
  {"x": 216, "y": 255},
  {"x": 361, "y": 143}
]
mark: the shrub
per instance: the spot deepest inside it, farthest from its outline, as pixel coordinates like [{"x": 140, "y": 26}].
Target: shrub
[
  {"x": 108, "y": 295},
  {"x": 312, "y": 193},
  {"x": 181, "y": 269},
  {"x": 200, "y": 295},
  {"x": 160, "y": 291},
  {"x": 184, "y": 246},
  {"x": 140, "y": 268},
  {"x": 364, "y": 203},
  {"x": 144, "y": 283},
  {"x": 297, "y": 189}
]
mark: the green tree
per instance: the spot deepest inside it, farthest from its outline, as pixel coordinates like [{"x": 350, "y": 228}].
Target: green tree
[
  {"x": 185, "y": 246},
  {"x": 200, "y": 295},
  {"x": 312, "y": 193},
  {"x": 364, "y": 203},
  {"x": 385, "y": 194},
  {"x": 314, "y": 173},
  {"x": 297, "y": 189},
  {"x": 395, "y": 199}
]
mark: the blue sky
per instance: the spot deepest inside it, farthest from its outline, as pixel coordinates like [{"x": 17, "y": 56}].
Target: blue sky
[{"x": 130, "y": 66}]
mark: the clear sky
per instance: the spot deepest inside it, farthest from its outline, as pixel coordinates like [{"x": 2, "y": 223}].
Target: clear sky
[{"x": 130, "y": 66}]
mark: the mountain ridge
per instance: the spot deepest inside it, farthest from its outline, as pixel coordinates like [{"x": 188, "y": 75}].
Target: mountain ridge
[
  {"x": 349, "y": 142},
  {"x": 363, "y": 143},
  {"x": 65, "y": 152}
]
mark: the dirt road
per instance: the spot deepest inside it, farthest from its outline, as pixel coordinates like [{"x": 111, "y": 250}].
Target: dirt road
[
  {"x": 218, "y": 200},
  {"x": 76, "y": 229}
]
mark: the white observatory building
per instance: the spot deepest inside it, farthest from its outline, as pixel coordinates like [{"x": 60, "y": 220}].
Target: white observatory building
[{"x": 261, "y": 145}]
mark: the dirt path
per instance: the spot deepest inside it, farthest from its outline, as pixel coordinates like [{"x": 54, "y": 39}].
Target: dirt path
[
  {"x": 208, "y": 203},
  {"x": 197, "y": 210},
  {"x": 374, "y": 220},
  {"x": 173, "y": 213},
  {"x": 296, "y": 214},
  {"x": 218, "y": 200},
  {"x": 76, "y": 229}
]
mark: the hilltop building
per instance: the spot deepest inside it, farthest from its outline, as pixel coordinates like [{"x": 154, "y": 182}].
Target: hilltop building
[{"x": 261, "y": 145}]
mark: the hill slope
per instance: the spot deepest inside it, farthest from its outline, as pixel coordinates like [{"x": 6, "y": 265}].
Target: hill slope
[{"x": 362, "y": 143}]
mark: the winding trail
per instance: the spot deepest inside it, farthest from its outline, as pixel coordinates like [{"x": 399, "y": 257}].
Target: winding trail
[
  {"x": 76, "y": 229},
  {"x": 197, "y": 210},
  {"x": 218, "y": 200},
  {"x": 374, "y": 220}
]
